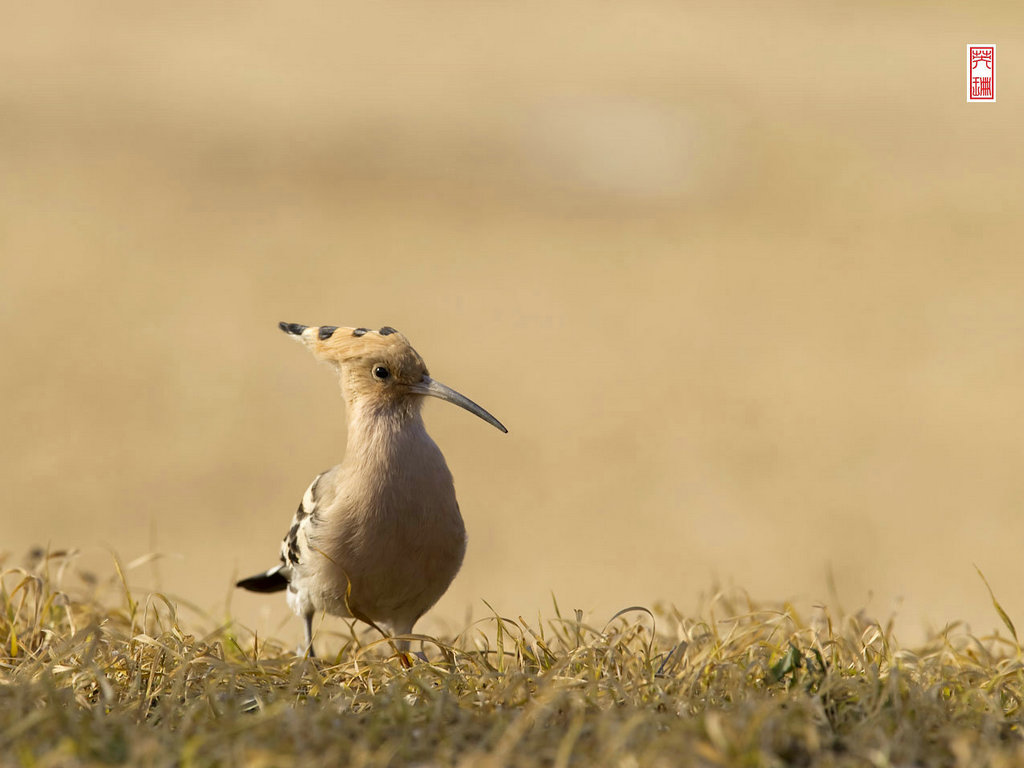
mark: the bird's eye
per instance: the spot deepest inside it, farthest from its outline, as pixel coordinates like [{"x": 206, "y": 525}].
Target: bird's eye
[{"x": 380, "y": 372}]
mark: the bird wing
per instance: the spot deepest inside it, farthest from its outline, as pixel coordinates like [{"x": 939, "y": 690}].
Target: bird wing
[{"x": 295, "y": 544}]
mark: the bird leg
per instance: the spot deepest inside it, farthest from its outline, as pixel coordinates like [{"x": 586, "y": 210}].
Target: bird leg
[{"x": 307, "y": 623}]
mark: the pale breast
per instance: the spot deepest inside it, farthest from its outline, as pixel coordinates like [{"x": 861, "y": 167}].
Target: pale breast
[{"x": 392, "y": 539}]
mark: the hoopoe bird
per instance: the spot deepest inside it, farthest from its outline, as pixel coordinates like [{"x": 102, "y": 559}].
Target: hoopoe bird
[{"x": 378, "y": 537}]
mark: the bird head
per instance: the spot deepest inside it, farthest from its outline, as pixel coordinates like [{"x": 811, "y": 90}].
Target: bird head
[{"x": 379, "y": 367}]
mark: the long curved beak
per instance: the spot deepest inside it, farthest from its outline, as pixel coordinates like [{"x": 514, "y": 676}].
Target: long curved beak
[{"x": 436, "y": 389}]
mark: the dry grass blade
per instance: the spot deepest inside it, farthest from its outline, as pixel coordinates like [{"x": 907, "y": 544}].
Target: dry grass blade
[{"x": 999, "y": 609}]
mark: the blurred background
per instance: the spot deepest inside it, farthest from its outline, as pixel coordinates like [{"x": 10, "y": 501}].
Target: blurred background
[{"x": 744, "y": 281}]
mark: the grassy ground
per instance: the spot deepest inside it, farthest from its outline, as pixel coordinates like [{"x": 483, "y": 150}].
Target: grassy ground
[{"x": 87, "y": 678}]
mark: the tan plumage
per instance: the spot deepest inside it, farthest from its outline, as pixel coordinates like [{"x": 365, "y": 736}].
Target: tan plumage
[{"x": 378, "y": 537}]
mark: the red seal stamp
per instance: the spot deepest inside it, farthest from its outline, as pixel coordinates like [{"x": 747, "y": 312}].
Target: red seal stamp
[{"x": 981, "y": 73}]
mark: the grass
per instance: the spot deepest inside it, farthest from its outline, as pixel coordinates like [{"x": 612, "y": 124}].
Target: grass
[{"x": 121, "y": 680}]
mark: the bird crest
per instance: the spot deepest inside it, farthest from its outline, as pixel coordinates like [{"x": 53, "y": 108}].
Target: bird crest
[{"x": 379, "y": 367}]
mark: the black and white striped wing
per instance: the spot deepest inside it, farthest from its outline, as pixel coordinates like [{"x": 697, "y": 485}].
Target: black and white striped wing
[{"x": 295, "y": 545}]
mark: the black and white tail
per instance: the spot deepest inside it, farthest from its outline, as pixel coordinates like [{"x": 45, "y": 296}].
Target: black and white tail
[{"x": 271, "y": 581}]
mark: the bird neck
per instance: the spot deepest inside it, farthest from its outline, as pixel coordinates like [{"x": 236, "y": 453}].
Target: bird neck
[{"x": 379, "y": 431}]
